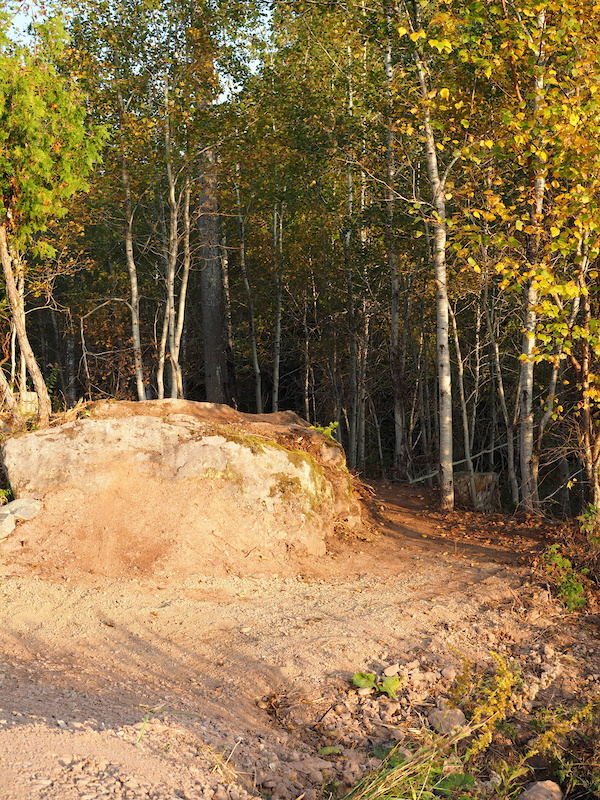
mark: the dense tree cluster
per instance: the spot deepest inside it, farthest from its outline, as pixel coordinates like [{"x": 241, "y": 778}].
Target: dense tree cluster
[{"x": 383, "y": 215}]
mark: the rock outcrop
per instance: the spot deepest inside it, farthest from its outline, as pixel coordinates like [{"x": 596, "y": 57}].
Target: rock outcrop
[{"x": 177, "y": 486}]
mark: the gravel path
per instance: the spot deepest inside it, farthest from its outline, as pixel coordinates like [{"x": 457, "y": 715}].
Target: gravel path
[{"x": 226, "y": 687}]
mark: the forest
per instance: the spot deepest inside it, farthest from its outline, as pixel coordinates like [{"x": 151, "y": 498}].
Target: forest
[{"x": 381, "y": 215}]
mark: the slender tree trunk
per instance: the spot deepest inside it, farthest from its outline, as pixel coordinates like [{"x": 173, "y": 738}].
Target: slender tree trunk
[
  {"x": 214, "y": 332},
  {"x": 278, "y": 261},
  {"x": 529, "y": 489},
  {"x": 437, "y": 185},
  {"x": 363, "y": 361},
  {"x": 251, "y": 314},
  {"x": 477, "y": 375},
  {"x": 508, "y": 422},
  {"x": 390, "y": 163},
  {"x": 172, "y": 252},
  {"x": 39, "y": 385},
  {"x": 20, "y": 281},
  {"x": 306, "y": 386},
  {"x": 132, "y": 269},
  {"x": 464, "y": 412},
  {"x": 185, "y": 275},
  {"x": 8, "y": 398}
]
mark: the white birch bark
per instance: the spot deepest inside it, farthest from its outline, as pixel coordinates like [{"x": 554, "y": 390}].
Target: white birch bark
[
  {"x": 437, "y": 186},
  {"x": 132, "y": 268}
]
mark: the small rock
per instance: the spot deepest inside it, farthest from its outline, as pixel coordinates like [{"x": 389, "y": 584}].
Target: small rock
[
  {"x": 364, "y": 691},
  {"x": 392, "y": 670},
  {"x": 542, "y": 790},
  {"x": 23, "y": 509},
  {"x": 449, "y": 673},
  {"x": 444, "y": 720},
  {"x": 7, "y": 525}
]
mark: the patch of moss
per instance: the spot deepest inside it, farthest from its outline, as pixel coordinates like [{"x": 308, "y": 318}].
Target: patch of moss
[
  {"x": 256, "y": 444},
  {"x": 230, "y": 474},
  {"x": 286, "y": 486}
]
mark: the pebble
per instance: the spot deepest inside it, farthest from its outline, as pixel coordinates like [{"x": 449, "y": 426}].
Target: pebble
[{"x": 449, "y": 673}]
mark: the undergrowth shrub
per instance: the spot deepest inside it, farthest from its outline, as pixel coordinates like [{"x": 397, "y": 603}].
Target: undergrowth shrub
[{"x": 492, "y": 756}]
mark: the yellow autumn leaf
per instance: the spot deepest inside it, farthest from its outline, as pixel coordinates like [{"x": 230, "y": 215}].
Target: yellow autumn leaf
[
  {"x": 554, "y": 232},
  {"x": 444, "y": 93},
  {"x": 402, "y": 31}
]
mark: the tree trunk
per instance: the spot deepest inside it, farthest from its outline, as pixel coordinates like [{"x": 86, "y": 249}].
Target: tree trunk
[
  {"x": 132, "y": 269},
  {"x": 529, "y": 489},
  {"x": 437, "y": 186},
  {"x": 39, "y": 385},
  {"x": 172, "y": 252},
  {"x": 187, "y": 261},
  {"x": 251, "y": 314},
  {"x": 214, "y": 334},
  {"x": 464, "y": 412}
]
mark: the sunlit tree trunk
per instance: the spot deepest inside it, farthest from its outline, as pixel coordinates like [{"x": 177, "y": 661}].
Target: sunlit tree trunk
[
  {"x": 529, "y": 489},
  {"x": 39, "y": 385},
  {"x": 134, "y": 304},
  {"x": 437, "y": 186}
]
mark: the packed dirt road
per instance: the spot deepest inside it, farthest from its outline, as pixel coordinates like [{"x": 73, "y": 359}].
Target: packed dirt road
[{"x": 225, "y": 687}]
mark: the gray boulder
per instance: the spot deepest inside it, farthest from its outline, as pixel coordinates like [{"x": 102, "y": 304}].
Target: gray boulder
[{"x": 183, "y": 487}]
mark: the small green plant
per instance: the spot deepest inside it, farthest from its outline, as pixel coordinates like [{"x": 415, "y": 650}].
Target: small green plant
[
  {"x": 570, "y": 586},
  {"x": 327, "y": 430},
  {"x": 385, "y": 685},
  {"x": 589, "y": 524},
  {"x": 422, "y": 774},
  {"x": 6, "y": 495}
]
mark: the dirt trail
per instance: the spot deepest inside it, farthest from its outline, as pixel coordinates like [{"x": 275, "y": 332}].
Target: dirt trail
[{"x": 139, "y": 688}]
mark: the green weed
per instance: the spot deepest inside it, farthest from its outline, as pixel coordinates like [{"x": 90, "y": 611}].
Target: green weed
[
  {"x": 327, "y": 430},
  {"x": 385, "y": 685},
  {"x": 568, "y": 580}
]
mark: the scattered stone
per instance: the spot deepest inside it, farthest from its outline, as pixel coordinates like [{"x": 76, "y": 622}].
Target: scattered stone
[
  {"x": 445, "y": 720},
  {"x": 7, "y": 524},
  {"x": 542, "y": 790},
  {"x": 449, "y": 673},
  {"x": 25, "y": 508},
  {"x": 392, "y": 670}
]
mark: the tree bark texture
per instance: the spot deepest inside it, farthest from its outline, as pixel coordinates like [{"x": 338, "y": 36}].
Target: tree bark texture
[
  {"x": 39, "y": 385},
  {"x": 214, "y": 330},
  {"x": 441, "y": 295}
]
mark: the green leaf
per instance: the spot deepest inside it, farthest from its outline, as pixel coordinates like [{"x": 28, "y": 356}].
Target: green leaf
[
  {"x": 364, "y": 680},
  {"x": 390, "y": 685},
  {"x": 330, "y": 751}
]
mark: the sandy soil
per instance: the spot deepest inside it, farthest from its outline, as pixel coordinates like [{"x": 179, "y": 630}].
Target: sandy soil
[{"x": 225, "y": 687}]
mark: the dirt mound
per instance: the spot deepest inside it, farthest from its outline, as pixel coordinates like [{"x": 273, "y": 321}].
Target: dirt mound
[{"x": 176, "y": 488}]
